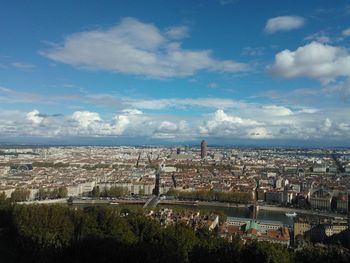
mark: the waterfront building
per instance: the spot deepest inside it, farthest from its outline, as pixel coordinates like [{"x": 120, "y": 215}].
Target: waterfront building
[
  {"x": 289, "y": 196},
  {"x": 301, "y": 200},
  {"x": 263, "y": 224},
  {"x": 321, "y": 199},
  {"x": 274, "y": 196},
  {"x": 204, "y": 146},
  {"x": 261, "y": 194}
]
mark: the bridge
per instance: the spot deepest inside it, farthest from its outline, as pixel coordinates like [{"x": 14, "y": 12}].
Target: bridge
[{"x": 154, "y": 199}]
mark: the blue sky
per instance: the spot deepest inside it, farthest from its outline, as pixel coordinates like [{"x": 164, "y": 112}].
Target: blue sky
[{"x": 258, "y": 72}]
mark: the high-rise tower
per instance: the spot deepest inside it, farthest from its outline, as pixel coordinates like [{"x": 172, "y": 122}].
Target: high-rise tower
[{"x": 204, "y": 146}]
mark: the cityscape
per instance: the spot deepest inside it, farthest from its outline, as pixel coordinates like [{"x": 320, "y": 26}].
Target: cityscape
[
  {"x": 175, "y": 131},
  {"x": 307, "y": 188}
]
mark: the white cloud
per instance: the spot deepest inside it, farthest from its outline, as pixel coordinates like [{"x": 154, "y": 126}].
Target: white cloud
[
  {"x": 132, "y": 111},
  {"x": 341, "y": 87},
  {"x": 167, "y": 126},
  {"x": 216, "y": 103},
  {"x": 86, "y": 118},
  {"x": 34, "y": 117},
  {"x": 177, "y": 32},
  {"x": 284, "y": 23},
  {"x": 222, "y": 124},
  {"x": 172, "y": 130},
  {"x": 275, "y": 110},
  {"x": 122, "y": 122},
  {"x": 315, "y": 60},
  {"x": 259, "y": 133},
  {"x": 137, "y": 48},
  {"x": 346, "y": 32},
  {"x": 257, "y": 122},
  {"x": 308, "y": 110}
]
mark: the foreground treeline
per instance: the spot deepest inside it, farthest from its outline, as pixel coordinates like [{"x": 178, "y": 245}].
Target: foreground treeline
[
  {"x": 210, "y": 195},
  {"x": 40, "y": 233},
  {"x": 21, "y": 194}
]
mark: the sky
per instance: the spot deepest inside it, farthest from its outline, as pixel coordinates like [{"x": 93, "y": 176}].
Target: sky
[{"x": 232, "y": 72}]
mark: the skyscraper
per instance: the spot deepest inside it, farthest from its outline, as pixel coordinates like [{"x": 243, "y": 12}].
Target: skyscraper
[
  {"x": 204, "y": 146},
  {"x": 178, "y": 150}
]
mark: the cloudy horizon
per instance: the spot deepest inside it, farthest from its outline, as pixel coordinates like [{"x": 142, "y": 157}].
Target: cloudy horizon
[{"x": 129, "y": 75}]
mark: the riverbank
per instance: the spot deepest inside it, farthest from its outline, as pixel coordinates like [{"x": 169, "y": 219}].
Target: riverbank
[
  {"x": 276, "y": 208},
  {"x": 49, "y": 201},
  {"x": 187, "y": 203}
]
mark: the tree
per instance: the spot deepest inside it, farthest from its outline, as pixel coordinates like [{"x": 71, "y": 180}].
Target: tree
[
  {"x": 41, "y": 194},
  {"x": 265, "y": 252},
  {"x": 114, "y": 191},
  {"x": 2, "y": 197},
  {"x": 142, "y": 191},
  {"x": 96, "y": 191},
  {"x": 62, "y": 192},
  {"x": 20, "y": 195}
]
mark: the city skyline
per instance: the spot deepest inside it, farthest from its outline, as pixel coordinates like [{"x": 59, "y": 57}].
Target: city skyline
[{"x": 230, "y": 72}]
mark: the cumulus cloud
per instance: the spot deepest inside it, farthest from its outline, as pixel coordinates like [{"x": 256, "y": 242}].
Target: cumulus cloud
[
  {"x": 284, "y": 23},
  {"x": 137, "y": 48},
  {"x": 172, "y": 130},
  {"x": 257, "y": 122},
  {"x": 277, "y": 122},
  {"x": 222, "y": 124},
  {"x": 315, "y": 60},
  {"x": 86, "y": 118},
  {"x": 128, "y": 123},
  {"x": 34, "y": 117}
]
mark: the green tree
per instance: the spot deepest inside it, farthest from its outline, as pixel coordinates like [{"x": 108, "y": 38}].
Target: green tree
[
  {"x": 48, "y": 226},
  {"x": 96, "y": 191},
  {"x": 62, "y": 192},
  {"x": 2, "y": 197},
  {"x": 41, "y": 194},
  {"x": 20, "y": 195},
  {"x": 265, "y": 252}
]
